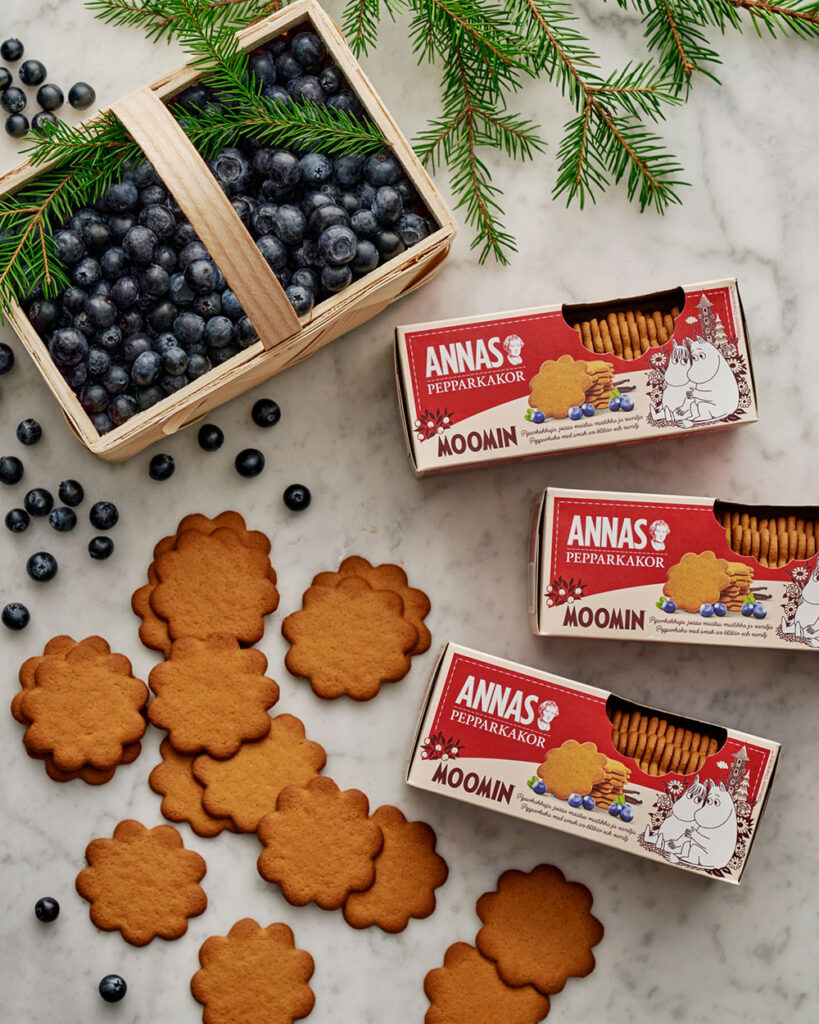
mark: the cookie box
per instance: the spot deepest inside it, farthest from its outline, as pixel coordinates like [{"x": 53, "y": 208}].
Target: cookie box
[
  {"x": 535, "y": 382},
  {"x": 680, "y": 570},
  {"x": 584, "y": 761},
  {"x": 284, "y": 338}
]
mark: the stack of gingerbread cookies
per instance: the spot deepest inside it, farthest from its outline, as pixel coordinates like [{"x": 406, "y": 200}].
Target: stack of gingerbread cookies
[
  {"x": 658, "y": 746},
  {"x": 602, "y": 377},
  {"x": 627, "y": 334},
  {"x": 738, "y": 591},
  {"x": 772, "y": 540}
]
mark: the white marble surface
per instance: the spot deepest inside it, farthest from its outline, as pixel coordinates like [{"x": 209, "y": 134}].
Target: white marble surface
[{"x": 677, "y": 947}]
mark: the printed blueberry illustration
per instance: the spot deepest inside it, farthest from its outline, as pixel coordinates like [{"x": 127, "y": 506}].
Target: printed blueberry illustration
[
  {"x": 575, "y": 800},
  {"x": 575, "y": 413},
  {"x": 626, "y": 813},
  {"x": 588, "y": 802}
]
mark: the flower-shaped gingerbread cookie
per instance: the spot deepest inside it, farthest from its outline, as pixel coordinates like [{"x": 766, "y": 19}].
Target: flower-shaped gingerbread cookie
[
  {"x": 182, "y": 794},
  {"x": 253, "y": 975},
  {"x": 319, "y": 844},
  {"x": 558, "y": 385},
  {"x": 83, "y": 708},
  {"x": 143, "y": 883},
  {"x": 213, "y": 583},
  {"x": 349, "y": 639},
  {"x": 696, "y": 580},
  {"x": 246, "y": 786},
  {"x": 212, "y": 695},
  {"x": 468, "y": 988},
  {"x": 572, "y": 768},
  {"x": 407, "y": 873},
  {"x": 538, "y": 928}
]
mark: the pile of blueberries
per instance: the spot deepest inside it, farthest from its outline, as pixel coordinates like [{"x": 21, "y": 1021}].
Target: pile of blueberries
[
  {"x": 49, "y": 96},
  {"x": 149, "y": 311}
]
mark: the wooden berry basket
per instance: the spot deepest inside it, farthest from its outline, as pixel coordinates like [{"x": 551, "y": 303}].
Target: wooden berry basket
[{"x": 285, "y": 338}]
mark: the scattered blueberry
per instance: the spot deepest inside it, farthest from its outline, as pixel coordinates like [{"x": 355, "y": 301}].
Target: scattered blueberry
[
  {"x": 38, "y": 501},
  {"x": 615, "y": 809},
  {"x": 17, "y": 125},
  {"x": 29, "y": 432},
  {"x": 11, "y": 469},
  {"x": 759, "y": 610},
  {"x": 706, "y": 610},
  {"x": 587, "y": 409},
  {"x": 297, "y": 497},
  {"x": 614, "y": 405},
  {"x": 113, "y": 988},
  {"x": 81, "y": 96},
  {"x": 575, "y": 800},
  {"x": 32, "y": 72},
  {"x": 588, "y": 802},
  {"x": 13, "y": 100},
  {"x": 11, "y": 50},
  {"x": 104, "y": 515},
  {"x": 210, "y": 437},
  {"x": 5, "y": 79},
  {"x": 747, "y": 609},
  {"x": 266, "y": 412},
  {"x": 668, "y": 606},
  {"x": 42, "y": 567},
  {"x": 626, "y": 813},
  {"x": 249, "y": 462},
  {"x": 47, "y": 909},
  {"x": 720, "y": 609},
  {"x": 17, "y": 520},
  {"x": 161, "y": 467},
  {"x": 538, "y": 416},
  {"x": 43, "y": 117},
  {"x": 15, "y": 616},
  {"x": 575, "y": 413},
  {"x": 50, "y": 96},
  {"x": 62, "y": 519},
  {"x": 626, "y": 404},
  {"x": 100, "y": 547},
  {"x": 6, "y": 358},
  {"x": 539, "y": 787}
]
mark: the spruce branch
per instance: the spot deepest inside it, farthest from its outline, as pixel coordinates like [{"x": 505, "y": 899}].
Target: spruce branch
[
  {"x": 802, "y": 19},
  {"x": 159, "y": 22},
  {"x": 360, "y": 20}
]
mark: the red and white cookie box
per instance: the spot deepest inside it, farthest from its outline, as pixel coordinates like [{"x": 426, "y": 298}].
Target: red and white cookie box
[
  {"x": 487, "y": 724},
  {"x": 599, "y": 567},
  {"x": 464, "y": 384}
]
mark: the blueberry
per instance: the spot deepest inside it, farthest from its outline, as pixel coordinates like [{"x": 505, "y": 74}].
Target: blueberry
[
  {"x": 283, "y": 170},
  {"x": 263, "y": 67},
  {"x": 289, "y": 224},
  {"x": 139, "y": 245},
  {"x": 46, "y": 909},
  {"x": 17, "y": 126},
  {"x": 195, "y": 98},
  {"x": 29, "y": 432},
  {"x": 161, "y": 467},
  {"x": 246, "y": 333},
  {"x": 315, "y": 168},
  {"x": 94, "y": 397},
  {"x": 575, "y": 800},
  {"x": 626, "y": 404},
  {"x": 221, "y": 355},
  {"x": 146, "y": 368},
  {"x": 706, "y": 610},
  {"x": 83, "y": 216},
  {"x": 174, "y": 361},
  {"x": 219, "y": 332},
  {"x": 720, "y": 609},
  {"x": 125, "y": 291},
  {"x": 132, "y": 322},
  {"x": 42, "y": 567},
  {"x": 62, "y": 519},
  {"x": 75, "y": 376},
  {"x": 273, "y": 250},
  {"x": 101, "y": 312},
  {"x": 13, "y": 100},
  {"x": 747, "y": 609},
  {"x": 74, "y": 299},
  {"x": 349, "y": 202},
  {"x": 96, "y": 236},
  {"x": 102, "y": 422},
  {"x": 614, "y": 404},
  {"x": 116, "y": 380},
  {"x": 231, "y": 169},
  {"x": 539, "y": 787},
  {"x": 381, "y": 169},
  {"x": 120, "y": 224},
  {"x": 263, "y": 219},
  {"x": 347, "y": 169},
  {"x": 411, "y": 227},
  {"x": 626, "y": 813},
  {"x": 112, "y": 988},
  {"x": 207, "y": 305},
  {"x": 134, "y": 346},
  {"x": 366, "y": 258},
  {"x": 304, "y": 255},
  {"x": 287, "y": 67},
  {"x": 104, "y": 515},
  {"x": 70, "y": 247},
  {"x": 364, "y": 224},
  {"x": 231, "y": 307},
  {"x": 210, "y": 437},
  {"x": 17, "y": 520},
  {"x": 389, "y": 244},
  {"x": 148, "y": 396},
  {"x": 313, "y": 199},
  {"x": 32, "y": 72},
  {"x": 307, "y": 48},
  {"x": 198, "y": 365},
  {"x": 301, "y": 299},
  {"x": 336, "y": 279},
  {"x": 249, "y": 462},
  {"x": 303, "y": 277},
  {"x": 337, "y": 244},
  {"x": 122, "y": 408},
  {"x": 120, "y": 197},
  {"x": 155, "y": 281},
  {"x": 587, "y": 409},
  {"x": 202, "y": 275},
  {"x": 71, "y": 493},
  {"x": 11, "y": 50},
  {"x": 615, "y": 809},
  {"x": 345, "y": 101},
  {"x": 538, "y": 416},
  {"x": 189, "y": 328},
  {"x": 38, "y": 501},
  {"x": 44, "y": 315},
  {"x": 244, "y": 207},
  {"x": 588, "y": 802},
  {"x": 331, "y": 79},
  {"x": 86, "y": 273},
  {"x": 113, "y": 263},
  {"x": 81, "y": 96},
  {"x": 266, "y": 412},
  {"x": 159, "y": 220},
  {"x": 387, "y": 205},
  {"x": 759, "y": 610},
  {"x": 668, "y": 606},
  {"x": 365, "y": 193},
  {"x": 408, "y": 193},
  {"x": 307, "y": 87},
  {"x": 184, "y": 237},
  {"x": 15, "y": 616},
  {"x": 153, "y": 195},
  {"x": 575, "y": 412},
  {"x": 180, "y": 294},
  {"x": 82, "y": 322},
  {"x": 43, "y": 117}
]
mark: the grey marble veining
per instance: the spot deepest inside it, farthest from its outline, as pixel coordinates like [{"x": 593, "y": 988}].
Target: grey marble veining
[{"x": 677, "y": 948}]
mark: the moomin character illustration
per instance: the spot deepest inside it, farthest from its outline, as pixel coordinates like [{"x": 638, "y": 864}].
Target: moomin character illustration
[
  {"x": 676, "y": 402},
  {"x": 671, "y": 836},
  {"x": 715, "y": 392},
  {"x": 711, "y": 842},
  {"x": 805, "y": 622}
]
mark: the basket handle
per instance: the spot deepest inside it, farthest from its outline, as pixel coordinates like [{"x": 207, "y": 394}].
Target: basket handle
[{"x": 206, "y": 206}]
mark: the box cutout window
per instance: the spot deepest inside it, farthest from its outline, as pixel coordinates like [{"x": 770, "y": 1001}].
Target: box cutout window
[
  {"x": 771, "y": 534},
  {"x": 626, "y": 328},
  {"x": 660, "y": 744}
]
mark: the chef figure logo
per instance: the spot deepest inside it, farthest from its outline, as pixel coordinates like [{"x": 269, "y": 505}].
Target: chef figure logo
[
  {"x": 546, "y": 712},
  {"x": 512, "y": 346},
  {"x": 659, "y": 531}
]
